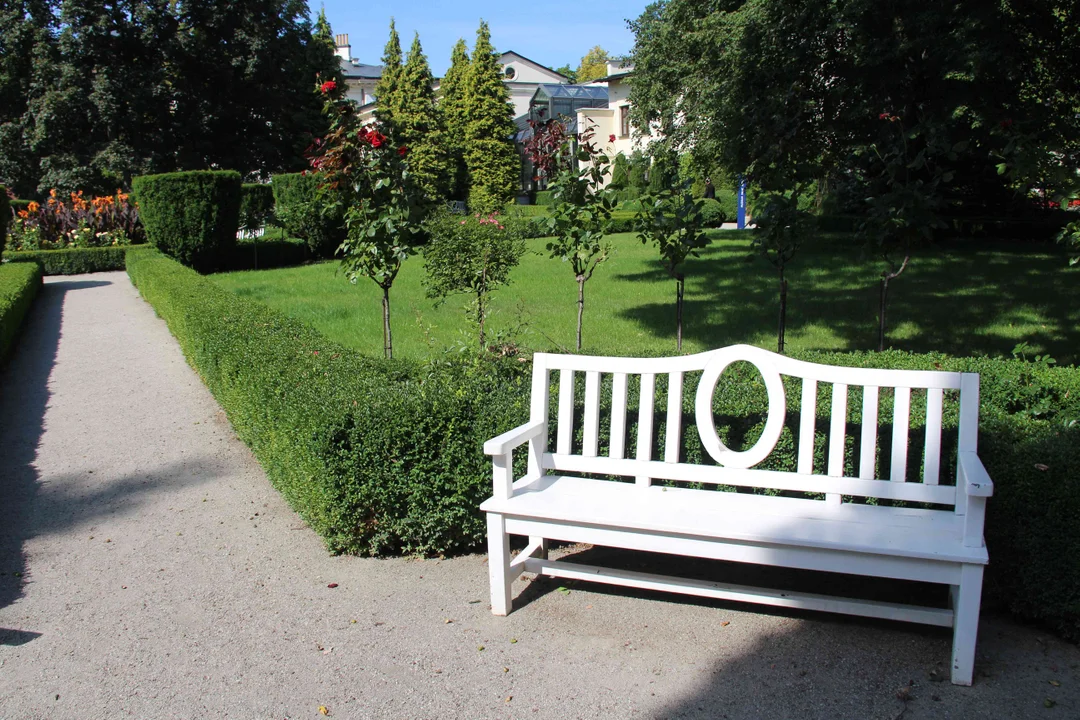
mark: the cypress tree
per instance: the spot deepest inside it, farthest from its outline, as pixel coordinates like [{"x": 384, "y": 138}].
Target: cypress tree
[
  {"x": 322, "y": 53},
  {"x": 620, "y": 173},
  {"x": 388, "y": 88},
  {"x": 639, "y": 167},
  {"x": 420, "y": 127},
  {"x": 452, "y": 92},
  {"x": 493, "y": 162}
]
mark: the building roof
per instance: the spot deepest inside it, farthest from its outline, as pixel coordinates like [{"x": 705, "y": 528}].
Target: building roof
[
  {"x": 615, "y": 76},
  {"x": 533, "y": 62},
  {"x": 572, "y": 92},
  {"x": 355, "y": 70}
]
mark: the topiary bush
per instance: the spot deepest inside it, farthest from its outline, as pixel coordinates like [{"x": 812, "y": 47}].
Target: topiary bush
[
  {"x": 544, "y": 198},
  {"x": 73, "y": 261},
  {"x": 19, "y": 285},
  {"x": 191, "y": 216},
  {"x": 256, "y": 205},
  {"x": 713, "y": 214},
  {"x": 304, "y": 215}
]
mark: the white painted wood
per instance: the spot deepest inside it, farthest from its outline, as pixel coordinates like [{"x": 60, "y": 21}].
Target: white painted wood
[
  {"x": 852, "y": 563},
  {"x": 966, "y": 624},
  {"x": 592, "y": 415},
  {"x": 498, "y": 564},
  {"x": 645, "y": 423},
  {"x": 935, "y": 401},
  {"x": 742, "y": 593},
  {"x": 781, "y": 363},
  {"x": 617, "y": 442},
  {"x": 512, "y": 438},
  {"x": 673, "y": 432},
  {"x": 807, "y": 422},
  {"x": 538, "y": 412},
  {"x": 901, "y": 420},
  {"x": 874, "y": 540},
  {"x": 565, "y": 432},
  {"x": 837, "y": 437},
  {"x": 706, "y": 423},
  {"x": 772, "y": 479},
  {"x": 868, "y": 442}
]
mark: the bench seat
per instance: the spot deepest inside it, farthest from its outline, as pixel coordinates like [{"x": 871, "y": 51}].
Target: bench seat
[{"x": 742, "y": 518}]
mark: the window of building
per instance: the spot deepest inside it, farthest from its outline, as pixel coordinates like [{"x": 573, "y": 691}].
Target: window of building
[
  {"x": 624, "y": 120},
  {"x": 509, "y": 73}
]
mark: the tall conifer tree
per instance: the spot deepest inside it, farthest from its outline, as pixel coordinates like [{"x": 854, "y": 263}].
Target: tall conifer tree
[
  {"x": 452, "y": 92},
  {"x": 493, "y": 161},
  {"x": 388, "y": 88},
  {"x": 419, "y": 125}
]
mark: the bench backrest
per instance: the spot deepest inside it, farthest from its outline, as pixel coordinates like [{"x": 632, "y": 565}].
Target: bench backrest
[{"x": 896, "y": 480}]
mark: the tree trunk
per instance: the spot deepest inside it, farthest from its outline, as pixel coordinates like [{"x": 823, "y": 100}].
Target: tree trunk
[
  {"x": 388, "y": 343},
  {"x": 481, "y": 315},
  {"x": 782, "y": 332},
  {"x": 885, "y": 278},
  {"x": 580, "y": 306},
  {"x": 679, "y": 284}
]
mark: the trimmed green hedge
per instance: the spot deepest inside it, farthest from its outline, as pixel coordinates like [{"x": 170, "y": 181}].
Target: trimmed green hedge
[
  {"x": 260, "y": 254},
  {"x": 73, "y": 261},
  {"x": 384, "y": 457},
  {"x": 5, "y": 217},
  {"x": 256, "y": 204},
  {"x": 302, "y": 213},
  {"x": 19, "y": 285},
  {"x": 378, "y": 457},
  {"x": 192, "y": 216}
]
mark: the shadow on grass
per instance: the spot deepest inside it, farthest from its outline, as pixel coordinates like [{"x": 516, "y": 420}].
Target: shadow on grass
[{"x": 960, "y": 301}]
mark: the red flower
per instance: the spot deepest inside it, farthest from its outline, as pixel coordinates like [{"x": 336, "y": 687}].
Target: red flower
[
  {"x": 328, "y": 86},
  {"x": 403, "y": 151},
  {"x": 1006, "y": 123},
  {"x": 611, "y": 138},
  {"x": 377, "y": 139}
]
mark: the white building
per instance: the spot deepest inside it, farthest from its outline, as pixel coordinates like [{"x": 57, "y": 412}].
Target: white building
[{"x": 614, "y": 120}]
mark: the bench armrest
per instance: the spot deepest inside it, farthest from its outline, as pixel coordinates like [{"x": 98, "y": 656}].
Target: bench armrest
[
  {"x": 976, "y": 481},
  {"x": 511, "y": 439}
]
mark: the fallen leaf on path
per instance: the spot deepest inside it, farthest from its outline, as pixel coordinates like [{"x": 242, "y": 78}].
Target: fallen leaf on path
[
  {"x": 332, "y": 585},
  {"x": 1040, "y": 466},
  {"x": 1049, "y": 703},
  {"x": 1055, "y": 683},
  {"x": 725, "y": 623},
  {"x": 324, "y": 710}
]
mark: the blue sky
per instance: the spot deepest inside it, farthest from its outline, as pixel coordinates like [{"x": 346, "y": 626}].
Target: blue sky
[{"x": 551, "y": 34}]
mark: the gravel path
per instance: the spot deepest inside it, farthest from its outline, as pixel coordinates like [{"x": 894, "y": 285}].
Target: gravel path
[{"x": 147, "y": 569}]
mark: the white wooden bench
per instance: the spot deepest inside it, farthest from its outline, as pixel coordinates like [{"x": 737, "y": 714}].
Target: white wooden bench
[{"x": 823, "y": 522}]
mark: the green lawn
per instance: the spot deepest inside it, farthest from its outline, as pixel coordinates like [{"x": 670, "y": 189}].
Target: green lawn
[{"x": 960, "y": 301}]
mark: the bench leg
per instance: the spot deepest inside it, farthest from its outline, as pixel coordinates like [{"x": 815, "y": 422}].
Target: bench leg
[
  {"x": 543, "y": 554},
  {"x": 498, "y": 564},
  {"x": 966, "y": 600}
]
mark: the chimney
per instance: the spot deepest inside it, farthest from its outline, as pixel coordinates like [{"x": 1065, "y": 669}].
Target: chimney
[{"x": 344, "y": 50}]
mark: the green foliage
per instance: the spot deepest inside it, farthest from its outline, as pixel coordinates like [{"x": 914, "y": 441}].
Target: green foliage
[
  {"x": 569, "y": 72},
  {"x": 388, "y": 89},
  {"x": 5, "y": 218},
  {"x": 781, "y": 229},
  {"x": 301, "y": 210},
  {"x": 493, "y": 161},
  {"x": 471, "y": 255},
  {"x": 256, "y": 205},
  {"x": 1070, "y": 236},
  {"x": 452, "y": 105},
  {"x": 19, "y": 285},
  {"x": 639, "y": 172},
  {"x": 544, "y": 198},
  {"x": 192, "y": 216},
  {"x": 73, "y": 261},
  {"x": 593, "y": 66},
  {"x": 419, "y": 126},
  {"x": 714, "y": 213},
  {"x": 378, "y": 458},
  {"x": 620, "y": 172},
  {"x": 663, "y": 175}
]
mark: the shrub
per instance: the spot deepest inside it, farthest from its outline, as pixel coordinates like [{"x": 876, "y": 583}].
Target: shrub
[
  {"x": 378, "y": 457},
  {"x": 713, "y": 214},
  {"x": 544, "y": 198},
  {"x": 256, "y": 205},
  {"x": 73, "y": 261},
  {"x": 19, "y": 285},
  {"x": 620, "y": 172},
  {"x": 105, "y": 221},
  {"x": 303, "y": 215},
  {"x": 5, "y": 218},
  {"x": 192, "y": 216},
  {"x": 262, "y": 254}
]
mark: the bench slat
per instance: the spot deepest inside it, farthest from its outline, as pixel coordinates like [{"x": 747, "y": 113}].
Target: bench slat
[
  {"x": 901, "y": 419},
  {"x": 566, "y": 412},
  {"x": 807, "y": 420},
  {"x": 868, "y": 444},
  {"x": 772, "y": 479},
  {"x": 590, "y": 447},
  {"x": 618, "y": 415},
  {"x": 837, "y": 436},
  {"x": 645, "y": 423},
  {"x": 935, "y": 399},
  {"x": 673, "y": 434}
]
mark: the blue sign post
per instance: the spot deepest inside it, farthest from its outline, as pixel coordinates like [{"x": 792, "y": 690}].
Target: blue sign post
[{"x": 742, "y": 203}]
